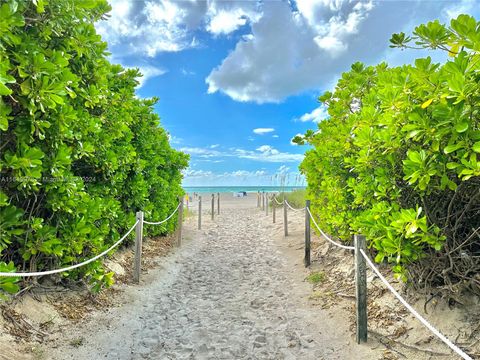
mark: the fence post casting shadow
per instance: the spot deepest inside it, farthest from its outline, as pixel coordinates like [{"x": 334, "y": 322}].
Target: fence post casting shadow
[
  {"x": 307, "y": 234},
  {"x": 273, "y": 210},
  {"x": 180, "y": 221},
  {"x": 285, "y": 220},
  {"x": 266, "y": 204},
  {"x": 199, "y": 213},
  {"x": 218, "y": 203},
  {"x": 361, "y": 288},
  {"x": 213, "y": 206},
  {"x": 138, "y": 247}
]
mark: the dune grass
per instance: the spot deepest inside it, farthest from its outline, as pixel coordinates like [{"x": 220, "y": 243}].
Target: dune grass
[{"x": 295, "y": 198}]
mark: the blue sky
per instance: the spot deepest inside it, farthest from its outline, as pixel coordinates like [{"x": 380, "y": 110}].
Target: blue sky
[{"x": 238, "y": 79}]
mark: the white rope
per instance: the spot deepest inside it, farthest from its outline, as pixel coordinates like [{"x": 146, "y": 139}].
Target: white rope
[
  {"x": 327, "y": 237},
  {"x": 50, "y": 272},
  {"x": 161, "y": 222},
  {"x": 279, "y": 203},
  {"x": 414, "y": 312},
  {"x": 290, "y": 206}
]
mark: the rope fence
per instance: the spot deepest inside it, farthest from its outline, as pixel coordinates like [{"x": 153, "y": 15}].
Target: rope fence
[
  {"x": 137, "y": 226},
  {"x": 68, "y": 268},
  {"x": 361, "y": 259},
  {"x": 328, "y": 238},
  {"x": 429, "y": 326},
  {"x": 163, "y": 221}
]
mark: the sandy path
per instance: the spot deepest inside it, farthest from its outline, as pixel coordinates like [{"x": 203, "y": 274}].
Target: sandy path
[{"x": 228, "y": 293}]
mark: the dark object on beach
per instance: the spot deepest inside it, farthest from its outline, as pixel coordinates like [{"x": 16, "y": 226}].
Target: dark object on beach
[{"x": 240, "y": 194}]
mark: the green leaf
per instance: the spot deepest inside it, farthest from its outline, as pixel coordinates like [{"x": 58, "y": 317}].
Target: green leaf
[
  {"x": 461, "y": 127},
  {"x": 451, "y": 148},
  {"x": 3, "y": 123},
  {"x": 9, "y": 287},
  {"x": 476, "y": 147},
  {"x": 4, "y": 90}
]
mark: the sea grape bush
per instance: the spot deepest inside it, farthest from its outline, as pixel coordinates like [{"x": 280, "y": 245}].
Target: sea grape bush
[
  {"x": 398, "y": 159},
  {"x": 79, "y": 152}
]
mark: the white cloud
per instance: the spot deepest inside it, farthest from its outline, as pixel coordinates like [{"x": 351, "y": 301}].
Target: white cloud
[
  {"x": 201, "y": 152},
  {"x": 173, "y": 139},
  {"x": 214, "y": 146},
  {"x": 275, "y": 136},
  {"x": 288, "y": 52},
  {"x": 186, "y": 72},
  {"x": 149, "y": 27},
  {"x": 197, "y": 173},
  {"x": 225, "y": 17},
  {"x": 240, "y": 177},
  {"x": 148, "y": 72},
  {"x": 224, "y": 22},
  {"x": 267, "y": 149},
  {"x": 317, "y": 115},
  {"x": 264, "y": 153},
  {"x": 460, "y": 7},
  {"x": 261, "y": 131},
  {"x": 292, "y": 47}
]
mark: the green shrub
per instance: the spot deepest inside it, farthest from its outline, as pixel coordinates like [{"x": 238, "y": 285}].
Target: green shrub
[
  {"x": 80, "y": 153},
  {"x": 399, "y": 158}
]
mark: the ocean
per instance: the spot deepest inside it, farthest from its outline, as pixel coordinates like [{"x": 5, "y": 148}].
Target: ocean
[{"x": 231, "y": 189}]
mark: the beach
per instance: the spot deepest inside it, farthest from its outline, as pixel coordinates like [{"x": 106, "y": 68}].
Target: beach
[{"x": 235, "y": 290}]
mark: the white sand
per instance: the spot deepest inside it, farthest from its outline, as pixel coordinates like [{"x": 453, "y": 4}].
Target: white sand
[{"x": 233, "y": 291}]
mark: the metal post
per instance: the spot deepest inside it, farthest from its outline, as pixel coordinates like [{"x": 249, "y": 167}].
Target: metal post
[
  {"x": 307, "y": 234},
  {"x": 285, "y": 219},
  {"x": 180, "y": 221},
  {"x": 138, "y": 247},
  {"x": 199, "y": 213},
  {"x": 218, "y": 203},
  {"x": 213, "y": 206},
  {"x": 361, "y": 288}
]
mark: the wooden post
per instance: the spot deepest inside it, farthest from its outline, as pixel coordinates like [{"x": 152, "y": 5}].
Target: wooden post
[
  {"x": 361, "y": 288},
  {"x": 258, "y": 199},
  {"x": 138, "y": 247},
  {"x": 180, "y": 221},
  {"x": 199, "y": 213},
  {"x": 274, "y": 206},
  {"x": 218, "y": 203},
  {"x": 213, "y": 206},
  {"x": 266, "y": 204},
  {"x": 307, "y": 234},
  {"x": 285, "y": 218},
  {"x": 263, "y": 200}
]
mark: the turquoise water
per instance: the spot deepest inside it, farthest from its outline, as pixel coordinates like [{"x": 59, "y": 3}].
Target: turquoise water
[{"x": 224, "y": 189}]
